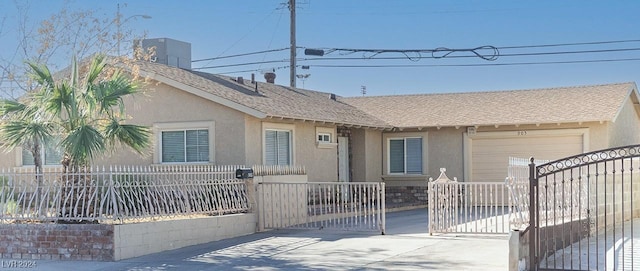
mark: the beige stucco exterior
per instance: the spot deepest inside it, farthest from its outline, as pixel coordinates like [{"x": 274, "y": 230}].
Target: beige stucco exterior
[
  {"x": 236, "y": 138},
  {"x": 449, "y": 147},
  {"x": 366, "y": 148},
  {"x": 626, "y": 128},
  {"x": 157, "y": 109}
]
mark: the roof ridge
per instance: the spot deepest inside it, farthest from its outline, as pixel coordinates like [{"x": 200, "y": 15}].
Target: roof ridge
[{"x": 485, "y": 92}]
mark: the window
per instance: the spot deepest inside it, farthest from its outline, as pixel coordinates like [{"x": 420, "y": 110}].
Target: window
[
  {"x": 324, "y": 138},
  {"x": 277, "y": 147},
  {"x": 185, "y": 146},
  {"x": 51, "y": 155},
  {"x": 405, "y": 155}
]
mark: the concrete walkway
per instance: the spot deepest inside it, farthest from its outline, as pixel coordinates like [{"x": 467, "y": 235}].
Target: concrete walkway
[{"x": 407, "y": 246}]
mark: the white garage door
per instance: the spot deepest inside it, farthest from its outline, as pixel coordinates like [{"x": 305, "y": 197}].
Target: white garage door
[{"x": 490, "y": 155}]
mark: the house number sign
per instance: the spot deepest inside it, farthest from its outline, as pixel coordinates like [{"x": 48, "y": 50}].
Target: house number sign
[{"x": 522, "y": 133}]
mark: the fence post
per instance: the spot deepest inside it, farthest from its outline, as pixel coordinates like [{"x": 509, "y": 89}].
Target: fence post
[
  {"x": 514, "y": 249},
  {"x": 260, "y": 214},
  {"x": 383, "y": 207},
  {"x": 430, "y": 205},
  {"x": 533, "y": 210},
  {"x": 114, "y": 200},
  {"x": 251, "y": 194}
]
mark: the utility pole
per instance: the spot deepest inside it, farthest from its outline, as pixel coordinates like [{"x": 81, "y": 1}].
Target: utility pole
[{"x": 292, "y": 71}]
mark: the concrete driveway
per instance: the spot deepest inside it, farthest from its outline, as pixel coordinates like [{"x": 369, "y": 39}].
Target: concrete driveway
[{"x": 407, "y": 246}]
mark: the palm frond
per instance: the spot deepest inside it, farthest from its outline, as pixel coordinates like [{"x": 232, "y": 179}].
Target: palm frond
[
  {"x": 110, "y": 93},
  {"x": 41, "y": 74},
  {"x": 134, "y": 136},
  {"x": 97, "y": 65},
  {"x": 83, "y": 143},
  {"x": 17, "y": 133},
  {"x": 11, "y": 106}
]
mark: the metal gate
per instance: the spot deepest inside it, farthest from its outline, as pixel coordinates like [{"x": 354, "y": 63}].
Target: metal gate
[
  {"x": 315, "y": 205},
  {"x": 584, "y": 214},
  {"x": 468, "y": 207}
]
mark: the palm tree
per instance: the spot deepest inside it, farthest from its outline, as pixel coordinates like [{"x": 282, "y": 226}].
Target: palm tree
[
  {"x": 89, "y": 112},
  {"x": 25, "y": 127},
  {"x": 85, "y": 114}
]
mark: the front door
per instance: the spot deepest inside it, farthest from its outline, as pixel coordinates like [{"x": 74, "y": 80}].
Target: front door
[{"x": 343, "y": 159}]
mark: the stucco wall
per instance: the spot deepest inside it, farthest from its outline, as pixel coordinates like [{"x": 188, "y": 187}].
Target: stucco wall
[
  {"x": 445, "y": 148},
  {"x": 253, "y": 141},
  {"x": 626, "y": 128},
  {"x": 133, "y": 240},
  {"x": 366, "y": 147},
  {"x": 446, "y": 151},
  {"x": 7, "y": 158},
  {"x": 321, "y": 163},
  {"x": 165, "y": 104}
]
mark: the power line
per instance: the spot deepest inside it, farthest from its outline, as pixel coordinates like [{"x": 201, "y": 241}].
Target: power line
[
  {"x": 419, "y": 57},
  {"x": 457, "y": 65},
  {"x": 256, "y": 70},
  {"x": 427, "y": 50},
  {"x": 437, "y": 54},
  {"x": 470, "y": 56},
  {"x": 238, "y": 55},
  {"x": 242, "y": 64},
  {"x": 568, "y": 44},
  {"x": 477, "y": 65}
]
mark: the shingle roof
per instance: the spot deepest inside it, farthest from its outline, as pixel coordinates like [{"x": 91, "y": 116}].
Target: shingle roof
[
  {"x": 538, "y": 106},
  {"x": 273, "y": 100}
]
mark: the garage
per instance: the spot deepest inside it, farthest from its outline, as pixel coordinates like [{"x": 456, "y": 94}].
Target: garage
[{"x": 490, "y": 151}]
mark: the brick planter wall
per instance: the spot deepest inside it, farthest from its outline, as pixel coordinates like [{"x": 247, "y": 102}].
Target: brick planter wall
[
  {"x": 57, "y": 242},
  {"x": 405, "y": 196},
  {"x": 106, "y": 242}
]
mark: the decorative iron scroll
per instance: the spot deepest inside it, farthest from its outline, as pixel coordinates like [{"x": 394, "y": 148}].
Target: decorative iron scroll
[{"x": 587, "y": 159}]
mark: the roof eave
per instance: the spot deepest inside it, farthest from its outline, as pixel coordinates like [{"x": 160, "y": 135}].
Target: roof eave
[
  {"x": 331, "y": 122},
  {"x": 496, "y": 125}
]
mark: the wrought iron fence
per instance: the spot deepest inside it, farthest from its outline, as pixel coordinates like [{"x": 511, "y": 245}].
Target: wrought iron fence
[
  {"x": 120, "y": 193},
  {"x": 585, "y": 214},
  {"x": 314, "y": 205}
]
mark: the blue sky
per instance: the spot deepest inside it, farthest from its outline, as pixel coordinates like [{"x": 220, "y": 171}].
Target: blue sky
[{"x": 228, "y": 27}]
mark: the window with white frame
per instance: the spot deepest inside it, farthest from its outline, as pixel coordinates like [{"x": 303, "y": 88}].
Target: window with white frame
[
  {"x": 51, "y": 154},
  {"x": 405, "y": 155},
  {"x": 324, "y": 138},
  {"x": 277, "y": 147},
  {"x": 185, "y": 146}
]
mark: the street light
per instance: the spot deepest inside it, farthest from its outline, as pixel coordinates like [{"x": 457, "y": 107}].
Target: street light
[
  {"x": 118, "y": 24},
  {"x": 303, "y": 77}
]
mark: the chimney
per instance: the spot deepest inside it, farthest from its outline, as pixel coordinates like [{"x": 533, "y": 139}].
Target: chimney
[
  {"x": 240, "y": 80},
  {"x": 270, "y": 77}
]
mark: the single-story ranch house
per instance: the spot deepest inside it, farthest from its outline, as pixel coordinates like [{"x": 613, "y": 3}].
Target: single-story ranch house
[{"x": 202, "y": 118}]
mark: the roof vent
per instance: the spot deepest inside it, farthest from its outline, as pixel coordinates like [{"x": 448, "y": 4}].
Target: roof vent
[
  {"x": 240, "y": 80},
  {"x": 270, "y": 77},
  {"x": 253, "y": 78},
  {"x": 333, "y": 96}
]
